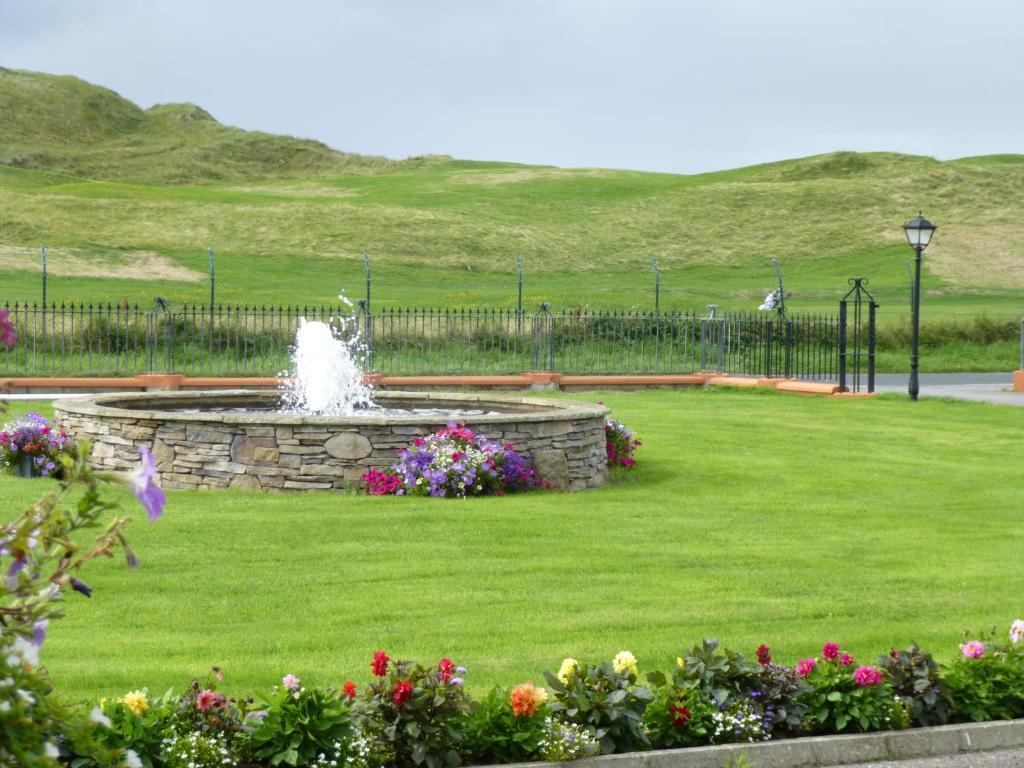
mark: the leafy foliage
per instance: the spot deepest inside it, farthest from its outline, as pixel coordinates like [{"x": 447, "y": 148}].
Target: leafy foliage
[
  {"x": 299, "y": 725},
  {"x": 838, "y": 703},
  {"x": 914, "y": 676},
  {"x": 494, "y": 734},
  {"x": 990, "y": 687},
  {"x": 607, "y": 701},
  {"x": 679, "y": 717},
  {"x": 415, "y": 715}
]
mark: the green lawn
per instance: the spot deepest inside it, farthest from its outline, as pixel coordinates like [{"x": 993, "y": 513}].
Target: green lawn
[{"x": 754, "y": 517}]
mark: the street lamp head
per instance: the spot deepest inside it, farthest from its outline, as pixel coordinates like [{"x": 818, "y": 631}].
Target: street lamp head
[{"x": 919, "y": 231}]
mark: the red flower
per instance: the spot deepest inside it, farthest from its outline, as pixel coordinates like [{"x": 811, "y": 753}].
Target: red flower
[
  {"x": 445, "y": 670},
  {"x": 349, "y": 688},
  {"x": 379, "y": 665},
  {"x": 403, "y": 692},
  {"x": 764, "y": 655},
  {"x": 680, "y": 715}
]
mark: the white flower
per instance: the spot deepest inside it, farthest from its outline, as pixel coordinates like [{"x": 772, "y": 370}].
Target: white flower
[
  {"x": 24, "y": 652},
  {"x": 51, "y": 750},
  {"x": 1017, "y": 631},
  {"x": 5, "y": 706},
  {"x": 131, "y": 759},
  {"x": 97, "y": 716}
]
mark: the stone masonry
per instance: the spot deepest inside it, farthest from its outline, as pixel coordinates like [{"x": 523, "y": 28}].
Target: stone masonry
[{"x": 271, "y": 451}]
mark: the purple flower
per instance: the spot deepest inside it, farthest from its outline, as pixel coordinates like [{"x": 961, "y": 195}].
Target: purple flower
[
  {"x": 12, "y": 573},
  {"x": 39, "y": 633},
  {"x": 457, "y": 681},
  {"x": 141, "y": 483},
  {"x": 79, "y": 586}
]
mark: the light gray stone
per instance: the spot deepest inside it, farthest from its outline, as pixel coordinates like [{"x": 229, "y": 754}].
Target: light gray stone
[
  {"x": 552, "y": 468},
  {"x": 349, "y": 445}
]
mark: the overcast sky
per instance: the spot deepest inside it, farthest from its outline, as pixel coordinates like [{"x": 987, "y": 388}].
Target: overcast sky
[{"x": 647, "y": 84}]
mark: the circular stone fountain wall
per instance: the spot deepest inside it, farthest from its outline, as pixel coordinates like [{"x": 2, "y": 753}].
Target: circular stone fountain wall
[{"x": 203, "y": 440}]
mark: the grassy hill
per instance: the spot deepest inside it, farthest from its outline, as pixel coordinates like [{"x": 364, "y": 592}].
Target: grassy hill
[
  {"x": 127, "y": 201},
  {"x": 64, "y": 124}
]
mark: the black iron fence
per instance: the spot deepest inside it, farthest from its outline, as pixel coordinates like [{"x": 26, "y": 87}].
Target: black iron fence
[{"x": 97, "y": 340}]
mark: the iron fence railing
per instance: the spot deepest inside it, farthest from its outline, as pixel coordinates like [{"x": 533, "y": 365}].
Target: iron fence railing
[{"x": 97, "y": 340}]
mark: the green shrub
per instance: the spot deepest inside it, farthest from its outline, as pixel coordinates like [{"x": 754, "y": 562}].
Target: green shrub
[
  {"x": 494, "y": 733},
  {"x": 988, "y": 685},
  {"x": 843, "y": 698},
  {"x": 300, "y": 723},
  {"x": 914, "y": 676},
  {"x": 604, "y": 698},
  {"x": 679, "y": 717},
  {"x": 415, "y": 715}
]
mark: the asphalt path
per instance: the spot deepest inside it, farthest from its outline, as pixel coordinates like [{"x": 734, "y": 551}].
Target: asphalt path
[
  {"x": 1002, "y": 758},
  {"x": 982, "y": 387}
]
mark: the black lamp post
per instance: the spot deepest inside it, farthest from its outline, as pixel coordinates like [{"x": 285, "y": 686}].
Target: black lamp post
[{"x": 919, "y": 233}]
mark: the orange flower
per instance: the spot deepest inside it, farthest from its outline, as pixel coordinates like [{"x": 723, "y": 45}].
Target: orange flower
[{"x": 525, "y": 698}]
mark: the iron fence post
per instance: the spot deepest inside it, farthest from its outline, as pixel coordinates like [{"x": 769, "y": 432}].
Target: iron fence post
[
  {"x": 872, "y": 310},
  {"x": 721, "y": 346},
  {"x": 657, "y": 285},
  {"x": 769, "y": 334},
  {"x": 366, "y": 266},
  {"x": 703, "y": 345},
  {"x": 788, "y": 365},
  {"x": 42, "y": 256},
  {"x": 842, "y": 345}
]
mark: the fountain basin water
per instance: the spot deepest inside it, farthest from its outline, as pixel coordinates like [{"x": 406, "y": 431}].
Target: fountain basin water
[{"x": 202, "y": 440}]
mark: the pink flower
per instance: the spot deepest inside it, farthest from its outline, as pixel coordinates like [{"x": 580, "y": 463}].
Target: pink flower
[
  {"x": 830, "y": 651},
  {"x": 7, "y": 335},
  {"x": 804, "y": 667},
  {"x": 846, "y": 659},
  {"x": 866, "y": 676},
  {"x": 972, "y": 649},
  {"x": 207, "y": 700},
  {"x": 291, "y": 682}
]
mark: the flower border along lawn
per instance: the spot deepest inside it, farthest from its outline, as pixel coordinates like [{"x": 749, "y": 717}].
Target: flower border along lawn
[{"x": 749, "y": 516}]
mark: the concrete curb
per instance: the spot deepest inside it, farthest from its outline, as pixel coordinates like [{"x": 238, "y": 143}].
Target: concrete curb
[{"x": 818, "y": 751}]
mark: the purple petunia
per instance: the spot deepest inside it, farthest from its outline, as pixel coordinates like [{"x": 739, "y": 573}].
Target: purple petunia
[{"x": 142, "y": 484}]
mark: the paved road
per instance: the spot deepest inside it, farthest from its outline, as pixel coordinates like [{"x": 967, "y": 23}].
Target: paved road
[
  {"x": 1003, "y": 758},
  {"x": 984, "y": 387}
]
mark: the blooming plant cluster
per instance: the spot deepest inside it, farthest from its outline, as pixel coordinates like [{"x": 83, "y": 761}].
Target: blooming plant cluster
[
  {"x": 620, "y": 444},
  {"x": 845, "y": 696},
  {"x": 35, "y": 437},
  {"x": 41, "y": 558},
  {"x": 454, "y": 461},
  {"x": 413, "y": 715}
]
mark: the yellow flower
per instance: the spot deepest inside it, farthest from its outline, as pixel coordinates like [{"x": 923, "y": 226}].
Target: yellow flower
[
  {"x": 624, "y": 661},
  {"x": 567, "y": 670},
  {"x": 680, "y": 663},
  {"x": 136, "y": 701},
  {"x": 541, "y": 694}
]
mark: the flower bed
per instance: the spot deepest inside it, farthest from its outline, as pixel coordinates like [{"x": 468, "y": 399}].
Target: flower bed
[
  {"x": 454, "y": 461},
  {"x": 33, "y": 438},
  {"x": 408, "y": 714}
]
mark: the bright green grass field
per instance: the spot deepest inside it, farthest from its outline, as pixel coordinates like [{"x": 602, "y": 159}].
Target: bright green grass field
[{"x": 751, "y": 517}]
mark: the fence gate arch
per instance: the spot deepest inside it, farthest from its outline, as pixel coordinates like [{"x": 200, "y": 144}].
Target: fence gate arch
[{"x": 857, "y": 337}]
